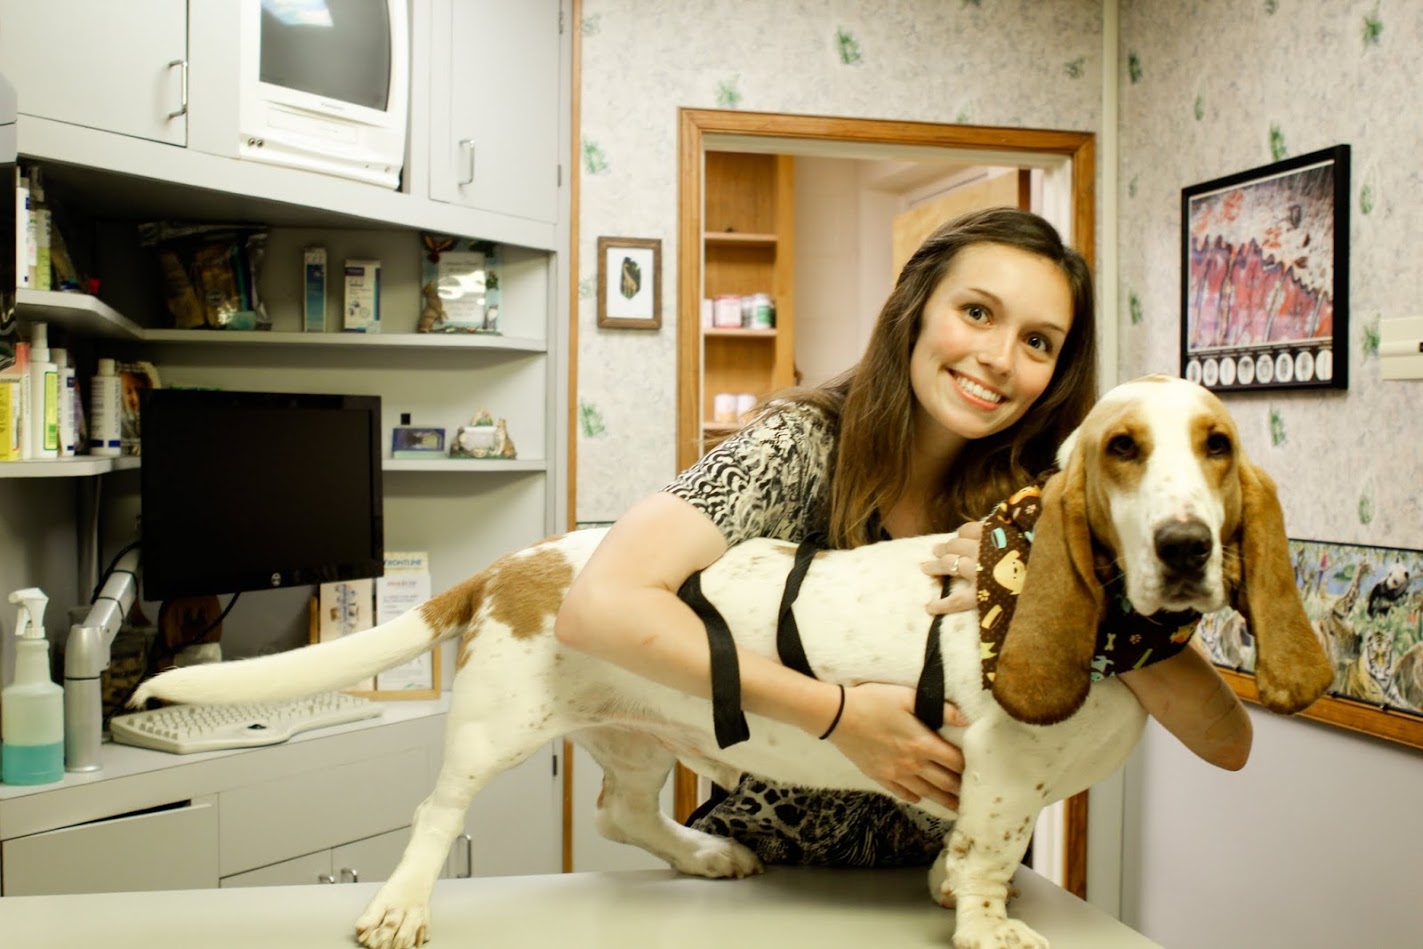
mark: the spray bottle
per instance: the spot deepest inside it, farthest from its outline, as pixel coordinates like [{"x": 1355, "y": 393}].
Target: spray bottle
[{"x": 31, "y": 707}]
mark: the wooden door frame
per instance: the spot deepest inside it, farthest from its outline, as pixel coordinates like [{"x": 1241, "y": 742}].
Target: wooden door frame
[{"x": 1012, "y": 145}]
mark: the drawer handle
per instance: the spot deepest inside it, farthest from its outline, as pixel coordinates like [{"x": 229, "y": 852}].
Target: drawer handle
[
  {"x": 468, "y": 143},
  {"x": 468, "y": 856},
  {"x": 325, "y": 878},
  {"x": 183, "y": 108},
  {"x": 352, "y": 872}
]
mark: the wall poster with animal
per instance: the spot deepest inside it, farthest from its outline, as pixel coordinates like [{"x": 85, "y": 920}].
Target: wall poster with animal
[{"x": 1366, "y": 606}]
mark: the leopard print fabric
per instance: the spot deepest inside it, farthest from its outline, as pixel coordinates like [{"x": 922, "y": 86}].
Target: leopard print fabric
[{"x": 771, "y": 479}]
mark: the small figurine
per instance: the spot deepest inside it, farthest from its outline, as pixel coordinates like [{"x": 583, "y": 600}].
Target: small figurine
[
  {"x": 482, "y": 438},
  {"x": 433, "y": 312}
]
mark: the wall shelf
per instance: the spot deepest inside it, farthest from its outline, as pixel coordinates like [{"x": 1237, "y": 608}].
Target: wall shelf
[
  {"x": 89, "y": 316},
  {"x": 731, "y": 333},
  {"x": 466, "y": 465},
  {"x": 78, "y": 467}
]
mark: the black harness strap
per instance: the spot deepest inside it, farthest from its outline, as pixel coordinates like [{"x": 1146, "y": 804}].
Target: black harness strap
[
  {"x": 788, "y": 643},
  {"x": 929, "y": 694},
  {"x": 727, "y": 717}
]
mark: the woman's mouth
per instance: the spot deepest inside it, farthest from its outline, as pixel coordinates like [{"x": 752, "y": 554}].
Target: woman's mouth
[{"x": 976, "y": 392}]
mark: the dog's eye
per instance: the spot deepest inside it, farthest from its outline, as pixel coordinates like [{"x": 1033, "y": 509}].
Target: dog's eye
[
  {"x": 1218, "y": 445},
  {"x": 1123, "y": 447}
]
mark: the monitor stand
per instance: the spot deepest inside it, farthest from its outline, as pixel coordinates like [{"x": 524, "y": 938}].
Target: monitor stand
[{"x": 189, "y": 632}]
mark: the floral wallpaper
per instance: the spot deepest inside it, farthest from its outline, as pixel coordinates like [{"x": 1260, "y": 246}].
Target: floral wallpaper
[
  {"x": 1019, "y": 63},
  {"x": 1211, "y": 89}
]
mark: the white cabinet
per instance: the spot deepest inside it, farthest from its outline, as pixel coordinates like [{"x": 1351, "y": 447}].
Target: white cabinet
[
  {"x": 117, "y": 67},
  {"x": 168, "y": 848},
  {"x": 496, "y": 845},
  {"x": 372, "y": 860},
  {"x": 494, "y": 105}
]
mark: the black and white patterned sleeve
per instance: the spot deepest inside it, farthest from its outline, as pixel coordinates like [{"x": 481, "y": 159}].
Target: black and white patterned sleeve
[{"x": 767, "y": 480}]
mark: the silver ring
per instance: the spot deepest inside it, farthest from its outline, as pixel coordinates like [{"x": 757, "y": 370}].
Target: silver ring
[{"x": 954, "y": 567}]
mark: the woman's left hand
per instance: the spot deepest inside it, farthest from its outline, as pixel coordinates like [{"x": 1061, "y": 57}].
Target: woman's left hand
[{"x": 957, "y": 557}]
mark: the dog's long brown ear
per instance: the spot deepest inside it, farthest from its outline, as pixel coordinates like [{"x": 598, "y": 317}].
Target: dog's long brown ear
[
  {"x": 1045, "y": 668},
  {"x": 1291, "y": 666}
]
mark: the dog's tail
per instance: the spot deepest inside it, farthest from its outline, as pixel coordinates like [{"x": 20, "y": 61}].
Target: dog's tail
[{"x": 336, "y": 664}]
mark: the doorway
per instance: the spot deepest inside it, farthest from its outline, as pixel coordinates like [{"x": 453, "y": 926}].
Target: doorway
[{"x": 1067, "y": 163}]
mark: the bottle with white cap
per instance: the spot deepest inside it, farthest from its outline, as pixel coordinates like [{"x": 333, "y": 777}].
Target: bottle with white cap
[
  {"x": 44, "y": 396},
  {"x": 31, "y": 707},
  {"x": 68, "y": 429},
  {"x": 105, "y": 397}
]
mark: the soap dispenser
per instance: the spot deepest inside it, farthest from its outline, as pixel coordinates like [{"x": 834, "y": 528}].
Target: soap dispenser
[{"x": 31, "y": 707}]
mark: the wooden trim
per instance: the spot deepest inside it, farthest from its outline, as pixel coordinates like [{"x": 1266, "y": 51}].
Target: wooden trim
[
  {"x": 695, "y": 124},
  {"x": 685, "y": 798},
  {"x": 575, "y": 152},
  {"x": 1356, "y": 716},
  {"x": 1025, "y": 189}
]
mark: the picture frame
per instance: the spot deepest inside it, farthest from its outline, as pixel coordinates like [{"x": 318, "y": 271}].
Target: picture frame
[
  {"x": 1265, "y": 276},
  {"x": 1366, "y": 605},
  {"x": 630, "y": 283}
]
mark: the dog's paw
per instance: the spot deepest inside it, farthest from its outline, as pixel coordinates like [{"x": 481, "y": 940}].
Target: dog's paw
[
  {"x": 720, "y": 858},
  {"x": 997, "y": 934},
  {"x": 389, "y": 923}
]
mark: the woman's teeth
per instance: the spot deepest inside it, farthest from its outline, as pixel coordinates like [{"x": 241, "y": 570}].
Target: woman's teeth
[{"x": 976, "y": 390}]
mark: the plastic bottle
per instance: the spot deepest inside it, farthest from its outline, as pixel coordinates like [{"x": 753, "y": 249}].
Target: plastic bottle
[
  {"x": 68, "y": 430},
  {"x": 105, "y": 396},
  {"x": 44, "y": 396},
  {"x": 31, "y": 707}
]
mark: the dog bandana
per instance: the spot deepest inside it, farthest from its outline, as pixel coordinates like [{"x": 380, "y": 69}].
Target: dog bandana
[{"x": 1126, "y": 639}]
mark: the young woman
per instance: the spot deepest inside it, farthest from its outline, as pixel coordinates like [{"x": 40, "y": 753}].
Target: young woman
[{"x": 981, "y": 362}]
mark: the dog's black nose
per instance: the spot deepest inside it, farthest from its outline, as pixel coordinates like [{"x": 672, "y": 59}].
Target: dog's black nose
[{"x": 1184, "y": 546}]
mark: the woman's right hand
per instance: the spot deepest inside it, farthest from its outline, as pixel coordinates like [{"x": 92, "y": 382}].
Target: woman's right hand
[{"x": 880, "y": 735}]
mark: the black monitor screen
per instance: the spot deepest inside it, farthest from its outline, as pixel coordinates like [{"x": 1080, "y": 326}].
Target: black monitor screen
[{"x": 255, "y": 490}]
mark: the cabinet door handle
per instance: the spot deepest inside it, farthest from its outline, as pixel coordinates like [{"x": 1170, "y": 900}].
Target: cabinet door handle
[
  {"x": 467, "y": 144},
  {"x": 351, "y": 872},
  {"x": 183, "y": 108},
  {"x": 325, "y": 878},
  {"x": 468, "y": 856}
]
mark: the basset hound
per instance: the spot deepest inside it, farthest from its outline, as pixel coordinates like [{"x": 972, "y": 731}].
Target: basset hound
[{"x": 1153, "y": 482}]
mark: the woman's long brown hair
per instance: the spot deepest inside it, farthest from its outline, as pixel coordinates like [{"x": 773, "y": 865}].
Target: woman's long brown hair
[{"x": 873, "y": 403}]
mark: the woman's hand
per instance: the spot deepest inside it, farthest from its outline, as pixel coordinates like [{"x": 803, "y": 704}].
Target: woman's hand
[
  {"x": 957, "y": 557},
  {"x": 880, "y": 735}
]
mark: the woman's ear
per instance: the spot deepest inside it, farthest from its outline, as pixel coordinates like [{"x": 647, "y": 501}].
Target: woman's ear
[
  {"x": 1045, "y": 666},
  {"x": 1292, "y": 668}
]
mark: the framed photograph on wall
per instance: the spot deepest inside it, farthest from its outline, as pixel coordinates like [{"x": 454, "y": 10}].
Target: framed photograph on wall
[
  {"x": 1366, "y": 606},
  {"x": 630, "y": 283},
  {"x": 1265, "y": 276}
]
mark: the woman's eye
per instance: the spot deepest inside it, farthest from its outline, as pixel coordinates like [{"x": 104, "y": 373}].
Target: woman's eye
[
  {"x": 976, "y": 312},
  {"x": 1041, "y": 343}
]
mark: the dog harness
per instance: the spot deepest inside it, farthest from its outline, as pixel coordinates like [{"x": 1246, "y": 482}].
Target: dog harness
[{"x": 1126, "y": 639}]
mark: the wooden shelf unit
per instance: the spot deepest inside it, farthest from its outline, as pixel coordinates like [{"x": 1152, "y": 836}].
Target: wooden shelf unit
[{"x": 748, "y": 246}]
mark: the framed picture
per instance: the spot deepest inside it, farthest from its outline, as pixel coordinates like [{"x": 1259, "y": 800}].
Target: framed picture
[
  {"x": 1265, "y": 276},
  {"x": 1366, "y": 605},
  {"x": 630, "y": 283}
]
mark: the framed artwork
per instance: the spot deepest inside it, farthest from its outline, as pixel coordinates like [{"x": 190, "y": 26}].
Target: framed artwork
[
  {"x": 1265, "y": 276},
  {"x": 630, "y": 283},
  {"x": 1366, "y": 605}
]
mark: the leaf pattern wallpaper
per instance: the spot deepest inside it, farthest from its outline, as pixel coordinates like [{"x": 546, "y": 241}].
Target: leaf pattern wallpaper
[{"x": 991, "y": 62}]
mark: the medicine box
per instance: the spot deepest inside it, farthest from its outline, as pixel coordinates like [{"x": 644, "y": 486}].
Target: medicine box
[
  {"x": 313, "y": 300},
  {"x": 362, "y": 307}
]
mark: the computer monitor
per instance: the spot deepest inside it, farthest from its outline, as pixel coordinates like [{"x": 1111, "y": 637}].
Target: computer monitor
[{"x": 257, "y": 490}]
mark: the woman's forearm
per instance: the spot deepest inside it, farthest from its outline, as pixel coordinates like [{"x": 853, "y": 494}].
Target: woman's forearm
[{"x": 1191, "y": 700}]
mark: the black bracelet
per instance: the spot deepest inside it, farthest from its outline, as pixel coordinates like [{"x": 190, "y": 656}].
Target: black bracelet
[{"x": 838, "y": 712}]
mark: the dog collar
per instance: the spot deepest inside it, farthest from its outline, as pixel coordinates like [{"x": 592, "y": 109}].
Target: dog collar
[{"x": 1126, "y": 639}]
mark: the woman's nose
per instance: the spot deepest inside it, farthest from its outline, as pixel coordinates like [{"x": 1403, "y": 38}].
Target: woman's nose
[{"x": 997, "y": 353}]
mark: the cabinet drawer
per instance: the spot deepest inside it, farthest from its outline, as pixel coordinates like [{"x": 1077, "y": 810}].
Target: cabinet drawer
[
  {"x": 309, "y": 868},
  {"x": 165, "y": 850},
  {"x": 267, "y": 823}
]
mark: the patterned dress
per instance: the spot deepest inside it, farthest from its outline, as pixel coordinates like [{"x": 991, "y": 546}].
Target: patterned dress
[{"x": 772, "y": 480}]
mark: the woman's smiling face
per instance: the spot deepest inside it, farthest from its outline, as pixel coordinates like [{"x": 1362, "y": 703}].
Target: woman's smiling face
[{"x": 988, "y": 342}]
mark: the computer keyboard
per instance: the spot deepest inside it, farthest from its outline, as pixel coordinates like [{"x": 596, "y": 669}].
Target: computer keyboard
[{"x": 185, "y": 729}]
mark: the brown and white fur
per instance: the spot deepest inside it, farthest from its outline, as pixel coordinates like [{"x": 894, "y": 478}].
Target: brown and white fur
[{"x": 1190, "y": 520}]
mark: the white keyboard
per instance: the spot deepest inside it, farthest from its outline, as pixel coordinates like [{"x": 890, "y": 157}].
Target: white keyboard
[{"x": 185, "y": 729}]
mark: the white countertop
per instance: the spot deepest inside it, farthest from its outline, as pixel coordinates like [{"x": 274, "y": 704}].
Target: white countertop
[{"x": 783, "y": 908}]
